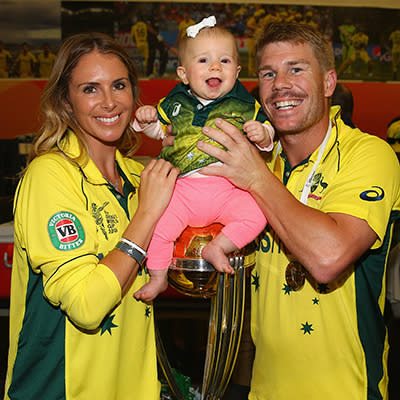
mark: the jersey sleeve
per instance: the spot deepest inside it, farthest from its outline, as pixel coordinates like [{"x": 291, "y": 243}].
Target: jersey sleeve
[
  {"x": 153, "y": 130},
  {"x": 162, "y": 112},
  {"x": 55, "y": 228},
  {"x": 367, "y": 185}
]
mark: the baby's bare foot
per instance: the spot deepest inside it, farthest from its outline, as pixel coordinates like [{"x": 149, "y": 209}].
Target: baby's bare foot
[
  {"x": 151, "y": 290},
  {"x": 216, "y": 256}
]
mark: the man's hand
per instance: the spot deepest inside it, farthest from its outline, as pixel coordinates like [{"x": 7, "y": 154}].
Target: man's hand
[{"x": 242, "y": 163}]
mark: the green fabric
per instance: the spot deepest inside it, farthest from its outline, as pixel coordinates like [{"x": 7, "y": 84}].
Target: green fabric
[{"x": 188, "y": 116}]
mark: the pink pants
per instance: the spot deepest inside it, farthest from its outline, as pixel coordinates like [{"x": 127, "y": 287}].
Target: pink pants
[{"x": 199, "y": 202}]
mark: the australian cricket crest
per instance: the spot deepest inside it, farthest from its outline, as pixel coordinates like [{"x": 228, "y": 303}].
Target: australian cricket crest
[{"x": 65, "y": 231}]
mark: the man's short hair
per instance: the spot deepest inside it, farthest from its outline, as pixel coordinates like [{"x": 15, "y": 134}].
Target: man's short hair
[{"x": 296, "y": 33}]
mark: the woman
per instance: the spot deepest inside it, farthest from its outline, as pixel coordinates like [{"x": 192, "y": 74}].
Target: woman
[{"x": 81, "y": 226}]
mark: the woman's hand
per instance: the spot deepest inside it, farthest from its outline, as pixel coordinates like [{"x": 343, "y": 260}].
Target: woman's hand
[
  {"x": 156, "y": 186},
  {"x": 157, "y": 183},
  {"x": 242, "y": 163}
]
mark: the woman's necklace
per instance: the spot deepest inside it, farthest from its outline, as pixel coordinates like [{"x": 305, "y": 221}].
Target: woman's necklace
[{"x": 116, "y": 184}]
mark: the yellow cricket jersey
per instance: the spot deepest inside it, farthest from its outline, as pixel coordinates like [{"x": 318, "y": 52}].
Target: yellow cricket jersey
[
  {"x": 395, "y": 39},
  {"x": 72, "y": 336},
  {"x": 359, "y": 40},
  {"x": 183, "y": 25},
  {"x": 46, "y": 64},
  {"x": 328, "y": 341},
  {"x": 5, "y": 58},
  {"x": 25, "y": 64},
  {"x": 139, "y": 32}
]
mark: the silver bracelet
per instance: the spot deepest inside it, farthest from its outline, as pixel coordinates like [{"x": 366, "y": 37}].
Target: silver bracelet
[
  {"x": 131, "y": 251},
  {"x": 134, "y": 245}
]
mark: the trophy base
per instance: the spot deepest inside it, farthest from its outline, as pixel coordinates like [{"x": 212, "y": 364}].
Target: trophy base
[{"x": 193, "y": 276}]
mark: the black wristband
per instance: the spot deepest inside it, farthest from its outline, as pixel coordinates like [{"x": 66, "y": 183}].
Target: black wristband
[{"x": 131, "y": 251}]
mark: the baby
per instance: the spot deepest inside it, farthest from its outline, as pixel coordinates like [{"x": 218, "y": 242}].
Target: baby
[{"x": 209, "y": 68}]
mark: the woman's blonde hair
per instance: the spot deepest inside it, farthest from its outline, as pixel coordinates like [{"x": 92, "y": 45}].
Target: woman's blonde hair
[{"x": 55, "y": 97}]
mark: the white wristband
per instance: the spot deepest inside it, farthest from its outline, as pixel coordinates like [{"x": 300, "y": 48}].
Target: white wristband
[{"x": 135, "y": 246}]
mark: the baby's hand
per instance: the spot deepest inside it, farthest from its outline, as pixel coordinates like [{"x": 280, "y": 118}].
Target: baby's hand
[
  {"x": 260, "y": 134},
  {"x": 146, "y": 114}
]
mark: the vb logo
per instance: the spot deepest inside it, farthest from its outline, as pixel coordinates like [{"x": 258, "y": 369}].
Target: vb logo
[{"x": 65, "y": 230}]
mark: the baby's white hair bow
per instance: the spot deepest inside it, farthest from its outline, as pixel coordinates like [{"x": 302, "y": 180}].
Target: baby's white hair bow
[{"x": 193, "y": 30}]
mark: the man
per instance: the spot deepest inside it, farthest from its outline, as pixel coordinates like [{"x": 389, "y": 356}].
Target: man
[
  {"x": 183, "y": 25},
  {"x": 330, "y": 194},
  {"x": 395, "y": 39},
  {"x": 26, "y": 62},
  {"x": 5, "y": 61},
  {"x": 359, "y": 41},
  {"x": 156, "y": 44},
  {"x": 346, "y": 32},
  {"x": 46, "y": 61},
  {"x": 139, "y": 36}
]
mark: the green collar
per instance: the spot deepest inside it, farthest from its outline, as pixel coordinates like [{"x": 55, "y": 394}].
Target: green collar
[{"x": 238, "y": 92}]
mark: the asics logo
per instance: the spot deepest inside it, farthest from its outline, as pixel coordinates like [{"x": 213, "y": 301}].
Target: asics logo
[
  {"x": 375, "y": 194},
  {"x": 175, "y": 111}
]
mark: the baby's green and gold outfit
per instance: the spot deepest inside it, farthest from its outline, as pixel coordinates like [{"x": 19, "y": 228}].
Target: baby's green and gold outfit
[
  {"x": 188, "y": 115},
  {"x": 202, "y": 200}
]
